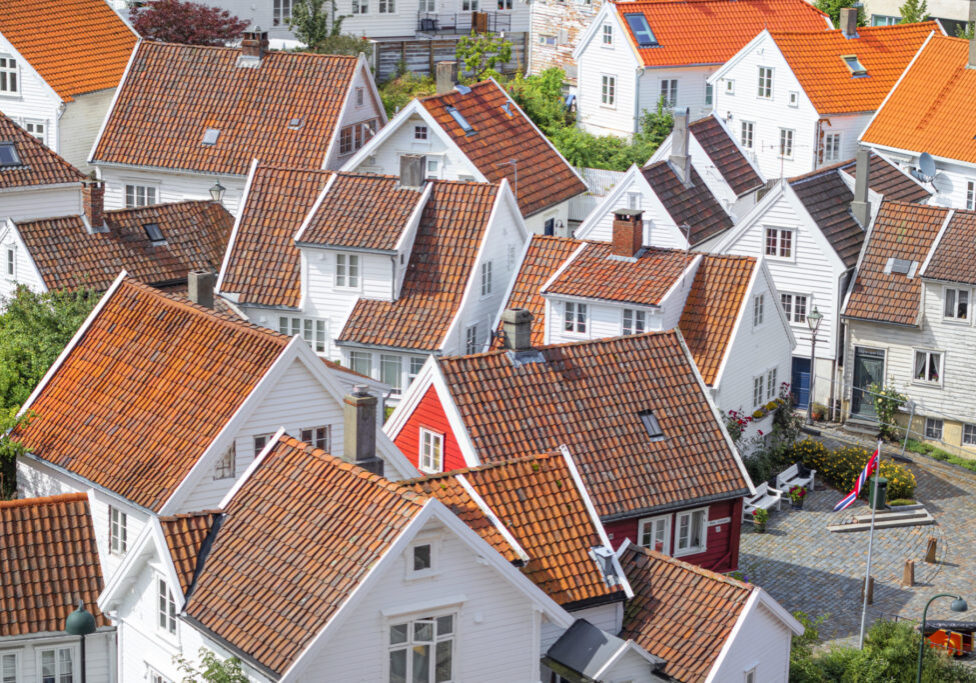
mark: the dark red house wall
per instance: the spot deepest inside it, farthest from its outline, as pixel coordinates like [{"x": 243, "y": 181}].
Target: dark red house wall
[{"x": 429, "y": 414}]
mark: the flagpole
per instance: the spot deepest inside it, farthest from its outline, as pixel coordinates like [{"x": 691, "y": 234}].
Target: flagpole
[{"x": 873, "y": 501}]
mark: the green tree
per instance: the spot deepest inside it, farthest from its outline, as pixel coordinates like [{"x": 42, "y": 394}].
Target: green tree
[
  {"x": 211, "y": 669},
  {"x": 832, "y": 9},
  {"x": 313, "y": 22},
  {"x": 397, "y": 92},
  {"x": 914, "y": 11},
  {"x": 965, "y": 31},
  {"x": 9, "y": 450},
  {"x": 541, "y": 98},
  {"x": 479, "y": 54}
]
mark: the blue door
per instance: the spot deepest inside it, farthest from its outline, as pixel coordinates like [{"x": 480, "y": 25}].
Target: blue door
[{"x": 801, "y": 382}]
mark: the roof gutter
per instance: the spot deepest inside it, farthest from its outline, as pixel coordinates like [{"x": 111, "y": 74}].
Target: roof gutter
[{"x": 691, "y": 502}]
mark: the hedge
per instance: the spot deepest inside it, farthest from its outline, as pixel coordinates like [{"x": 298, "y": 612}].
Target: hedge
[{"x": 841, "y": 467}]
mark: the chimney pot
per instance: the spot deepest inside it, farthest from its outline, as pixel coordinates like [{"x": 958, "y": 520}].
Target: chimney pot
[
  {"x": 93, "y": 203},
  {"x": 254, "y": 43},
  {"x": 446, "y": 76},
  {"x": 680, "y": 159},
  {"x": 359, "y": 430},
  {"x": 412, "y": 170},
  {"x": 848, "y": 22},
  {"x": 200, "y": 287},
  {"x": 517, "y": 325},
  {"x": 861, "y": 207},
  {"x": 628, "y": 232}
]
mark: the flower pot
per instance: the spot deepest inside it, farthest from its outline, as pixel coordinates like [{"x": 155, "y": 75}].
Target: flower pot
[
  {"x": 797, "y": 505},
  {"x": 760, "y": 527}
]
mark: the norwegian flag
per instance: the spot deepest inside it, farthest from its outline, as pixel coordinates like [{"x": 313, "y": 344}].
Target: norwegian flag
[{"x": 852, "y": 496}]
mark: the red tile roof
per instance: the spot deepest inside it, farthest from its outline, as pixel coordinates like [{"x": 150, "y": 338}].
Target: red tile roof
[
  {"x": 174, "y": 93},
  {"x": 185, "y": 535},
  {"x": 952, "y": 260},
  {"x": 38, "y": 164},
  {"x": 680, "y": 612},
  {"x": 264, "y": 265},
  {"x": 451, "y": 229},
  {"x": 726, "y": 155},
  {"x": 692, "y": 205},
  {"x": 127, "y": 381},
  {"x": 69, "y": 257},
  {"x": 77, "y": 46},
  {"x": 595, "y": 273},
  {"x": 720, "y": 289},
  {"x": 297, "y": 538},
  {"x": 589, "y": 397},
  {"x": 362, "y": 211},
  {"x": 900, "y": 231},
  {"x": 816, "y": 61},
  {"x": 931, "y": 110},
  {"x": 692, "y": 32},
  {"x": 890, "y": 181},
  {"x": 544, "y": 177},
  {"x": 48, "y": 561}
]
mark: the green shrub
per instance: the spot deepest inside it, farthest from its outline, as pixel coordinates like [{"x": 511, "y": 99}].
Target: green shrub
[
  {"x": 938, "y": 454},
  {"x": 841, "y": 467},
  {"x": 397, "y": 92}
]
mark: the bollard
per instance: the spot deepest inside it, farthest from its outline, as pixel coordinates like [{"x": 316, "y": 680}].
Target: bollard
[
  {"x": 930, "y": 550},
  {"x": 870, "y": 591},
  {"x": 908, "y": 575}
]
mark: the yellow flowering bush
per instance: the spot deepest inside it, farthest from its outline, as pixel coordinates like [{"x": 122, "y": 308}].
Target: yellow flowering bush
[{"x": 841, "y": 467}]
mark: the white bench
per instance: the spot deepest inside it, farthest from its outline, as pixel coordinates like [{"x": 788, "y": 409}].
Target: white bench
[
  {"x": 791, "y": 477},
  {"x": 764, "y": 499}
]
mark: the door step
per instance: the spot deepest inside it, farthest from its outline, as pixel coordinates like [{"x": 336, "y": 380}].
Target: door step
[{"x": 885, "y": 519}]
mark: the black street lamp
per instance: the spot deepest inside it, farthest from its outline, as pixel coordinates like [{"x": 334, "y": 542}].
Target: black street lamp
[
  {"x": 81, "y": 622},
  {"x": 958, "y": 605},
  {"x": 217, "y": 192},
  {"x": 813, "y": 322}
]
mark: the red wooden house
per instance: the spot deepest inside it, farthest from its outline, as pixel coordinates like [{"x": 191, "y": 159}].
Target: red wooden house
[{"x": 634, "y": 412}]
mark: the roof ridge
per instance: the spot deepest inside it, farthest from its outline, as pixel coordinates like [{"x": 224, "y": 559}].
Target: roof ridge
[
  {"x": 166, "y": 206},
  {"x": 480, "y": 468},
  {"x": 701, "y": 571},
  {"x": 603, "y": 341},
  {"x": 914, "y": 26},
  {"x": 268, "y": 53},
  {"x": 191, "y": 515},
  {"x": 42, "y": 500},
  {"x": 437, "y": 96}
]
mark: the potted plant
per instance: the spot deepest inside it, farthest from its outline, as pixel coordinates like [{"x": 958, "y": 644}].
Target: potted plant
[
  {"x": 797, "y": 494},
  {"x": 817, "y": 411},
  {"x": 759, "y": 519}
]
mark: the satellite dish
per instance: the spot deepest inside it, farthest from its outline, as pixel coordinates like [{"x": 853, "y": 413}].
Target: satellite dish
[{"x": 926, "y": 168}]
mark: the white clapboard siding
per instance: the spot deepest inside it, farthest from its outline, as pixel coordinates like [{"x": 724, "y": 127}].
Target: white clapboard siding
[
  {"x": 99, "y": 654},
  {"x": 80, "y": 125},
  {"x": 691, "y": 88},
  {"x": 616, "y": 60},
  {"x": 762, "y": 642},
  {"x": 35, "y": 101},
  {"x": 170, "y": 186}
]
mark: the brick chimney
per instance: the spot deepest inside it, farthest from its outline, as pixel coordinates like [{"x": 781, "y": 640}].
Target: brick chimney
[
  {"x": 446, "y": 75},
  {"x": 254, "y": 44},
  {"x": 200, "y": 287},
  {"x": 679, "y": 159},
  {"x": 359, "y": 430},
  {"x": 93, "y": 203},
  {"x": 628, "y": 232},
  {"x": 413, "y": 171},
  {"x": 517, "y": 325},
  {"x": 861, "y": 207},
  {"x": 848, "y": 22}
]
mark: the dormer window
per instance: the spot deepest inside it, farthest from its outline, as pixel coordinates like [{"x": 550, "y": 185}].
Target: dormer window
[
  {"x": 154, "y": 234},
  {"x": 460, "y": 120},
  {"x": 9, "y": 75},
  {"x": 857, "y": 69},
  {"x": 641, "y": 30},
  {"x": 8, "y": 155},
  {"x": 210, "y": 137},
  {"x": 651, "y": 425}
]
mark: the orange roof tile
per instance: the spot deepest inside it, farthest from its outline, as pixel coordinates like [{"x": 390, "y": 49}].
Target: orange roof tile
[
  {"x": 77, "y": 46},
  {"x": 952, "y": 260},
  {"x": 712, "y": 31},
  {"x": 69, "y": 257},
  {"x": 451, "y": 228},
  {"x": 931, "y": 109},
  {"x": 717, "y": 295},
  {"x": 589, "y": 396},
  {"x": 297, "y": 538},
  {"x": 145, "y": 391},
  {"x": 544, "y": 178},
  {"x": 680, "y": 612},
  {"x": 185, "y": 535},
  {"x": 900, "y": 231},
  {"x": 595, "y": 273},
  {"x": 543, "y": 258},
  {"x": 48, "y": 561},
  {"x": 885, "y": 51},
  {"x": 264, "y": 265},
  {"x": 174, "y": 93},
  {"x": 38, "y": 164}
]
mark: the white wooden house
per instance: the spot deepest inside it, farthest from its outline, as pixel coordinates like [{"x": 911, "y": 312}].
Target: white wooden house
[
  {"x": 479, "y": 133},
  {"x": 635, "y": 54},
  {"x": 377, "y": 272},
  {"x": 809, "y": 230},
  {"x": 250, "y": 382},
  {"x": 905, "y": 131},
  {"x": 59, "y": 67},
  {"x": 798, "y": 101},
  {"x": 187, "y": 118}
]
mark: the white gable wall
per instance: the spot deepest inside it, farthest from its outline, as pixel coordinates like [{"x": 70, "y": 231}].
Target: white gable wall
[
  {"x": 25, "y": 273},
  {"x": 170, "y": 186},
  {"x": 99, "y": 654},
  {"x": 618, "y": 60},
  {"x": 36, "y": 101},
  {"x": 760, "y": 641},
  {"x": 371, "y": 108},
  {"x": 40, "y": 201},
  {"x": 80, "y": 125},
  {"x": 691, "y": 88}
]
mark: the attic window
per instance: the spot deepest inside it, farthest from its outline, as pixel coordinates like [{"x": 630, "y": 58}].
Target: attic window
[
  {"x": 295, "y": 123},
  {"x": 153, "y": 232},
  {"x": 461, "y": 121},
  {"x": 641, "y": 29},
  {"x": 210, "y": 136},
  {"x": 651, "y": 425},
  {"x": 8, "y": 155},
  {"x": 857, "y": 69}
]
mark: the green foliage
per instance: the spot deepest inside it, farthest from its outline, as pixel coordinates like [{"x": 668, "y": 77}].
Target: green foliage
[
  {"x": 832, "y": 8},
  {"x": 540, "y": 97},
  {"x": 9, "y": 450},
  {"x": 841, "y": 468},
  {"x": 479, "y": 54},
  {"x": 965, "y": 31},
  {"x": 211, "y": 669},
  {"x": 886, "y": 401},
  {"x": 311, "y": 23},
  {"x": 923, "y": 448},
  {"x": 397, "y": 92},
  {"x": 914, "y": 11}
]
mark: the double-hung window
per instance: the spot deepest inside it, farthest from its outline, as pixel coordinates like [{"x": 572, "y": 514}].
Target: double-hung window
[
  {"x": 469, "y": 5},
  {"x": 486, "y": 278},
  {"x": 608, "y": 90},
  {"x": 422, "y": 650},
  {"x": 165, "y": 607},
  {"x": 786, "y": 143},
  {"x": 391, "y": 371},
  {"x": 771, "y": 384},
  {"x": 795, "y": 307},
  {"x": 574, "y": 317},
  {"x": 970, "y": 195},
  {"x": 832, "y": 147},
  {"x": 281, "y": 12},
  {"x": 765, "y": 89},
  {"x": 746, "y": 136},
  {"x": 260, "y": 441},
  {"x": 758, "y": 304},
  {"x": 655, "y": 533},
  {"x": 9, "y": 75},
  {"x": 8, "y": 667},
  {"x": 319, "y": 437},
  {"x": 386, "y": 6},
  {"x": 757, "y": 391},
  {"x": 709, "y": 94},
  {"x": 57, "y": 665},
  {"x": 347, "y": 270},
  {"x": 690, "y": 527},
  {"x": 361, "y": 362},
  {"x": 227, "y": 465},
  {"x": 431, "y": 451},
  {"x": 471, "y": 339},
  {"x": 608, "y": 34},
  {"x": 779, "y": 242},
  {"x": 669, "y": 91},
  {"x": 10, "y": 262},
  {"x": 634, "y": 321},
  {"x": 360, "y": 6},
  {"x": 118, "y": 532},
  {"x": 956, "y": 303},
  {"x": 928, "y": 367},
  {"x": 139, "y": 195}
]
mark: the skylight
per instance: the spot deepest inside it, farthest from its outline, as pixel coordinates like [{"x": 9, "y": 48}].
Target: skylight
[
  {"x": 901, "y": 266},
  {"x": 641, "y": 29},
  {"x": 295, "y": 123},
  {"x": 857, "y": 69},
  {"x": 210, "y": 136},
  {"x": 8, "y": 155},
  {"x": 461, "y": 121},
  {"x": 153, "y": 232},
  {"x": 651, "y": 425}
]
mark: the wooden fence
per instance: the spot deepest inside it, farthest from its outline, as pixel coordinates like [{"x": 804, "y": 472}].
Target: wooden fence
[{"x": 420, "y": 56}]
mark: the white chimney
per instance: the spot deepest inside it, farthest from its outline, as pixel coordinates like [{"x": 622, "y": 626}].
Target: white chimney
[
  {"x": 861, "y": 207},
  {"x": 680, "y": 160}
]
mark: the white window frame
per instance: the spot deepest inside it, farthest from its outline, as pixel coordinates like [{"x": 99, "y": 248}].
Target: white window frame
[
  {"x": 471, "y": 339},
  {"x": 15, "y": 654},
  {"x": 749, "y": 676},
  {"x": 652, "y": 523},
  {"x": 747, "y": 138},
  {"x": 118, "y": 531},
  {"x": 758, "y": 309},
  {"x": 956, "y": 294},
  {"x": 690, "y": 549},
  {"x": 10, "y": 261},
  {"x": 360, "y": 6},
  {"x": 575, "y": 318},
  {"x": 386, "y": 7},
  {"x": 165, "y": 607},
  {"x": 668, "y": 89},
  {"x": 281, "y": 12},
  {"x": 758, "y": 391},
  {"x": 226, "y": 467},
  {"x": 927, "y": 369},
  {"x": 789, "y": 301},
  {"x": 786, "y": 142},
  {"x": 348, "y": 271},
  {"x": 31, "y": 126},
  {"x": 729, "y": 86},
  {"x": 355, "y": 357},
  {"x": 57, "y": 650},
  {"x": 414, "y": 364},
  {"x": 970, "y": 195},
  {"x": 312, "y": 330},
  {"x": 633, "y": 321},
  {"x": 393, "y": 363},
  {"x": 420, "y": 541},
  {"x": 607, "y": 35},
  {"x": 709, "y": 95},
  {"x": 794, "y": 99},
  {"x": 420, "y": 132},
  {"x": 968, "y": 434},
  {"x": 9, "y": 76},
  {"x": 933, "y": 425},
  {"x": 409, "y": 644},
  {"x": 771, "y": 383},
  {"x": 608, "y": 91},
  {"x": 486, "y": 279},
  {"x": 431, "y": 456},
  {"x": 153, "y": 676},
  {"x": 260, "y": 441},
  {"x": 469, "y": 5},
  {"x": 319, "y": 437},
  {"x": 634, "y": 200},
  {"x": 832, "y": 147},
  {"x": 778, "y": 244},
  {"x": 137, "y": 196},
  {"x": 764, "y": 84}
]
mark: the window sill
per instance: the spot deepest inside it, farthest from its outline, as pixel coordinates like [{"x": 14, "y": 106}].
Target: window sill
[
  {"x": 960, "y": 322},
  {"x": 930, "y": 385},
  {"x": 689, "y": 551}
]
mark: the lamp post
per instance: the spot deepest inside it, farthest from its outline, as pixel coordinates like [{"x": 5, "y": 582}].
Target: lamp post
[
  {"x": 217, "y": 192},
  {"x": 81, "y": 622},
  {"x": 813, "y": 322},
  {"x": 958, "y": 605}
]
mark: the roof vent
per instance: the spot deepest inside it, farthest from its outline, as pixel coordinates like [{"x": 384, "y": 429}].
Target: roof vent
[
  {"x": 210, "y": 137},
  {"x": 461, "y": 121},
  {"x": 295, "y": 123},
  {"x": 901, "y": 266},
  {"x": 154, "y": 234},
  {"x": 641, "y": 29},
  {"x": 8, "y": 155},
  {"x": 651, "y": 425}
]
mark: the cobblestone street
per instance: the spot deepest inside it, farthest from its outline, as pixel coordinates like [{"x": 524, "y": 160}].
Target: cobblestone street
[{"x": 805, "y": 567}]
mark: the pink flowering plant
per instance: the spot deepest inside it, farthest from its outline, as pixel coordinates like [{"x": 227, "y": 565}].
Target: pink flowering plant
[{"x": 797, "y": 493}]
